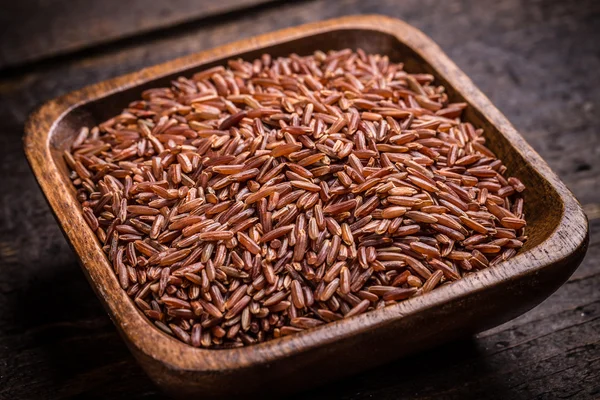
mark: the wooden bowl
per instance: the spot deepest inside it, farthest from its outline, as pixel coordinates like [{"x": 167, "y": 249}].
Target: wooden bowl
[{"x": 557, "y": 229}]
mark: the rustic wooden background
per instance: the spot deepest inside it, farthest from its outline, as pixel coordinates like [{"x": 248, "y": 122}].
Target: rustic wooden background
[{"x": 538, "y": 61}]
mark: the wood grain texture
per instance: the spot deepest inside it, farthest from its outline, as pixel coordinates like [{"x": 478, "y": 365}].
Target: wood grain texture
[
  {"x": 557, "y": 230},
  {"x": 72, "y": 25},
  {"x": 550, "y": 352}
]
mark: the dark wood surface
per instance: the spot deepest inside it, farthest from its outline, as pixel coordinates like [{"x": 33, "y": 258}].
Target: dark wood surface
[
  {"x": 537, "y": 61},
  {"x": 36, "y": 29},
  {"x": 556, "y": 246}
]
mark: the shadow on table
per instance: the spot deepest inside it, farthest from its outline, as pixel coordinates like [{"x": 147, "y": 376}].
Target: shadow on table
[
  {"x": 444, "y": 372},
  {"x": 65, "y": 344},
  {"x": 77, "y": 350}
]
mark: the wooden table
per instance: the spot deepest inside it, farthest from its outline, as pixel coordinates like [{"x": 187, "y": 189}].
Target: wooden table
[{"x": 537, "y": 61}]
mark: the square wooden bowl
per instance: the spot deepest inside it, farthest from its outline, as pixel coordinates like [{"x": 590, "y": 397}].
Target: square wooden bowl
[{"x": 557, "y": 229}]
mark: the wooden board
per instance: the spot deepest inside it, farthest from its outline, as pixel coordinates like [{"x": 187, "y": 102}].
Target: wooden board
[
  {"x": 557, "y": 230},
  {"x": 51, "y": 322},
  {"x": 35, "y": 29}
]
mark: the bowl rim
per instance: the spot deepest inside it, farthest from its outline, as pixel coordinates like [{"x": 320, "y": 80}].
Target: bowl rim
[{"x": 180, "y": 356}]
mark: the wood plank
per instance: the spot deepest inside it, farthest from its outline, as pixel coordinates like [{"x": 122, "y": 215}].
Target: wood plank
[
  {"x": 509, "y": 355},
  {"x": 534, "y": 60},
  {"x": 35, "y": 29},
  {"x": 523, "y": 286}
]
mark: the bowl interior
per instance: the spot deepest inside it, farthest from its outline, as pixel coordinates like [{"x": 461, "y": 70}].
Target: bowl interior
[{"x": 540, "y": 195}]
